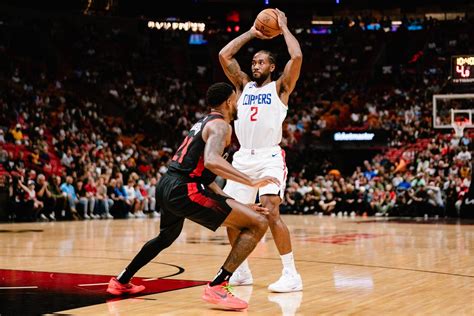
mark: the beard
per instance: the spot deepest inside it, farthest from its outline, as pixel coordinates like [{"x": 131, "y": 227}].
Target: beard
[{"x": 260, "y": 79}]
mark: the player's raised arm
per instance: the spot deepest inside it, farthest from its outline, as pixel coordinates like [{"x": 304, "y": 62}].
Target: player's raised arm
[
  {"x": 287, "y": 81},
  {"x": 217, "y": 135},
  {"x": 230, "y": 65}
]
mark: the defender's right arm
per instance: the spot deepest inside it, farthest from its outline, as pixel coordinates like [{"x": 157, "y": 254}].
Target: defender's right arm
[{"x": 217, "y": 134}]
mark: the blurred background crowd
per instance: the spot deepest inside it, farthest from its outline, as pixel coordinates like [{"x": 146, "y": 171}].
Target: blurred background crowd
[{"x": 93, "y": 108}]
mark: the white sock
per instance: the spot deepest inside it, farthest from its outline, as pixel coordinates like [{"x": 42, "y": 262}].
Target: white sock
[
  {"x": 244, "y": 266},
  {"x": 288, "y": 262}
]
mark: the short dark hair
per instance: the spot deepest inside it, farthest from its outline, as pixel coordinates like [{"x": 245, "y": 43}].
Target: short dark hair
[
  {"x": 218, "y": 93},
  {"x": 271, "y": 56}
]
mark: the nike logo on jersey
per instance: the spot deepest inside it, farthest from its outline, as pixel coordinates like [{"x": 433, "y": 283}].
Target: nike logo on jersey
[
  {"x": 274, "y": 155},
  {"x": 469, "y": 202}
]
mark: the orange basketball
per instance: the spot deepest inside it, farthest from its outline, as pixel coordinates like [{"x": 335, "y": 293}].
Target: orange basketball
[{"x": 267, "y": 22}]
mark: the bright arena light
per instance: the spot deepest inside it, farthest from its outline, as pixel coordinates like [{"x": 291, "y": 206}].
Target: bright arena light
[{"x": 182, "y": 26}]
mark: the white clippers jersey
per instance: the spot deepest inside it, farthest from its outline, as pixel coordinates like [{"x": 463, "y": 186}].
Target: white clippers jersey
[{"x": 260, "y": 116}]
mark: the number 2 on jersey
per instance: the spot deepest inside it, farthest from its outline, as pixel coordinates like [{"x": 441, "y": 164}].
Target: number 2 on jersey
[{"x": 253, "y": 116}]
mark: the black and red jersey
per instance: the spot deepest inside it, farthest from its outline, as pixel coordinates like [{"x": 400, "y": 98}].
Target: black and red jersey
[{"x": 188, "y": 160}]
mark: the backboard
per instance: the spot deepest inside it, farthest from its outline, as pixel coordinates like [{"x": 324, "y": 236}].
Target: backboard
[{"x": 451, "y": 108}]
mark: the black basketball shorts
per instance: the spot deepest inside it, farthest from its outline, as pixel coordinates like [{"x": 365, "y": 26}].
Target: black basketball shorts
[{"x": 180, "y": 198}]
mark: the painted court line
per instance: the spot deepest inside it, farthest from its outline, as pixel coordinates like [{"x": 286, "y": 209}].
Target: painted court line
[{"x": 17, "y": 287}]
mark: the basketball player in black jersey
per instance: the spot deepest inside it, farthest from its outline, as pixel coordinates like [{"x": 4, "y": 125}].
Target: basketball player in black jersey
[{"x": 188, "y": 190}]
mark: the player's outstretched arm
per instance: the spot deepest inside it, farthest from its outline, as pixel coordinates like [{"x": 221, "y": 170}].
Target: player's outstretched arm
[
  {"x": 287, "y": 81},
  {"x": 256, "y": 207},
  {"x": 217, "y": 189},
  {"x": 217, "y": 134}
]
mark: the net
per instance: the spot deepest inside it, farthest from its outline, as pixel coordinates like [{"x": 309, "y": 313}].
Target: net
[{"x": 459, "y": 127}]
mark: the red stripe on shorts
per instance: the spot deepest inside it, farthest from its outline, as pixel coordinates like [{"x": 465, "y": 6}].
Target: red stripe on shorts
[
  {"x": 199, "y": 198},
  {"x": 283, "y": 154}
]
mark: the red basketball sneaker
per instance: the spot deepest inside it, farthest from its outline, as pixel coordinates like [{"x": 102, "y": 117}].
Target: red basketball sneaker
[
  {"x": 117, "y": 288},
  {"x": 221, "y": 295}
]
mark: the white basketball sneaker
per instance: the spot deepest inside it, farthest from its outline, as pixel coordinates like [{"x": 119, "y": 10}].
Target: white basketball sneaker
[
  {"x": 241, "y": 277},
  {"x": 288, "y": 282}
]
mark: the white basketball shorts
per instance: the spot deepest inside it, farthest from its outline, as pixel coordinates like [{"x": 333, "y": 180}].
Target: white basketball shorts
[{"x": 257, "y": 163}]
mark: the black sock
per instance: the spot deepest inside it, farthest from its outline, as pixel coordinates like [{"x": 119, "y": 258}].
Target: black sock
[
  {"x": 149, "y": 251},
  {"x": 124, "y": 277},
  {"x": 222, "y": 276}
]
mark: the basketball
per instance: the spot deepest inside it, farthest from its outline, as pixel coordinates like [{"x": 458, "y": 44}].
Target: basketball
[{"x": 267, "y": 22}]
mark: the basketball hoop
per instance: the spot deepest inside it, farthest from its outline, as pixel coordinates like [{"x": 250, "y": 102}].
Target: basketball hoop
[{"x": 458, "y": 127}]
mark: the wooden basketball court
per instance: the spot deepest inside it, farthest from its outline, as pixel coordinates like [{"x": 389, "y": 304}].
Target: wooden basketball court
[{"x": 349, "y": 266}]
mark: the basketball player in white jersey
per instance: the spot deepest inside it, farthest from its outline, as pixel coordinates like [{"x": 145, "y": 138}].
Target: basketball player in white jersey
[{"x": 261, "y": 110}]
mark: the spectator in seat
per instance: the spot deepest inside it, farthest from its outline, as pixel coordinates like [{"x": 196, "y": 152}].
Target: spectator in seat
[
  {"x": 17, "y": 134},
  {"x": 31, "y": 195},
  {"x": 140, "y": 200},
  {"x": 34, "y": 158},
  {"x": 67, "y": 159},
  {"x": 131, "y": 197},
  {"x": 289, "y": 204},
  {"x": 435, "y": 199},
  {"x": 464, "y": 155},
  {"x": 21, "y": 205},
  {"x": 327, "y": 203},
  {"x": 151, "y": 188},
  {"x": 91, "y": 194},
  {"x": 44, "y": 195},
  {"x": 104, "y": 202},
  {"x": 143, "y": 189},
  {"x": 60, "y": 198},
  {"x": 3, "y": 157},
  {"x": 349, "y": 198},
  {"x": 122, "y": 204},
  {"x": 83, "y": 199},
  {"x": 71, "y": 197}
]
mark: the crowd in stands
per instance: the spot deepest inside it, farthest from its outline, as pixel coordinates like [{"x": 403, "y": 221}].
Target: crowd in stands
[
  {"x": 433, "y": 181},
  {"x": 91, "y": 114}
]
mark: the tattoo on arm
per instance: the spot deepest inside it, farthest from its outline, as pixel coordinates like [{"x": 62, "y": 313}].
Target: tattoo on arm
[
  {"x": 233, "y": 68},
  {"x": 229, "y": 63},
  {"x": 236, "y": 75},
  {"x": 238, "y": 42},
  {"x": 216, "y": 142}
]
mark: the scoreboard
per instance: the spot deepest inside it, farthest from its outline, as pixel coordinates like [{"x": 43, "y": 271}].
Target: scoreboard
[{"x": 462, "y": 69}]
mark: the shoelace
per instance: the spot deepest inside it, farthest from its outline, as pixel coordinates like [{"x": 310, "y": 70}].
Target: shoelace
[{"x": 228, "y": 288}]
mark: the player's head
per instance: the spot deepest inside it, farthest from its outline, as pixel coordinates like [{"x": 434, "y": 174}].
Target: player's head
[
  {"x": 263, "y": 64},
  {"x": 222, "y": 96}
]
